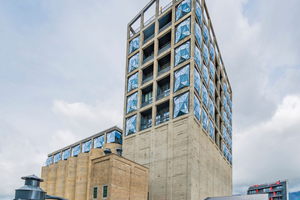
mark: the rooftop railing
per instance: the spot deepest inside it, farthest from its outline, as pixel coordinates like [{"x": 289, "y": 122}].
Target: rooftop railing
[
  {"x": 166, "y": 7},
  {"x": 149, "y": 20}
]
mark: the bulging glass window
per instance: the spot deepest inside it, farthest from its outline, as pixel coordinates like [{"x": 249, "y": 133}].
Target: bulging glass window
[
  {"x": 205, "y": 53},
  {"x": 230, "y": 117},
  {"x": 211, "y": 129},
  {"x": 183, "y": 8},
  {"x": 86, "y": 146},
  {"x": 134, "y": 44},
  {"x": 228, "y": 97},
  {"x": 224, "y": 116},
  {"x": 183, "y": 30},
  {"x": 182, "y": 53},
  {"x": 206, "y": 34},
  {"x": 133, "y": 62},
  {"x": 66, "y": 154},
  {"x": 204, "y": 96},
  {"x": 227, "y": 110},
  {"x": 132, "y": 103},
  {"x": 198, "y": 34},
  {"x": 230, "y": 105},
  {"x": 199, "y": 13},
  {"x": 224, "y": 101},
  {"x": 133, "y": 82},
  {"x": 130, "y": 125},
  {"x": 198, "y": 57},
  {"x": 225, "y": 88},
  {"x": 197, "y": 108},
  {"x": 49, "y": 160},
  {"x": 211, "y": 88},
  {"x": 181, "y": 105},
  {"x": 197, "y": 82},
  {"x": 99, "y": 142},
  {"x": 76, "y": 150},
  {"x": 205, "y": 74},
  {"x": 211, "y": 108},
  {"x": 57, "y": 157},
  {"x": 204, "y": 119},
  {"x": 114, "y": 137},
  {"x": 230, "y": 129},
  {"x": 182, "y": 78},
  {"x": 212, "y": 51},
  {"x": 212, "y": 69}
]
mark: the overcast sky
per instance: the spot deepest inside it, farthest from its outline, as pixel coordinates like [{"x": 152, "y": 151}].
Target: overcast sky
[{"x": 62, "y": 66}]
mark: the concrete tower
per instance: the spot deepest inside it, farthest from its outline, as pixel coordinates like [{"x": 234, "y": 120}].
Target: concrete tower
[{"x": 178, "y": 102}]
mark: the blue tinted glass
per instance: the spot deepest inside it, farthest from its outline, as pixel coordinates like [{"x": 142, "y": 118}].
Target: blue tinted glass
[
  {"x": 183, "y": 30},
  {"x": 230, "y": 129},
  {"x": 224, "y": 101},
  {"x": 197, "y": 82},
  {"x": 211, "y": 129},
  {"x": 205, "y": 96},
  {"x": 114, "y": 137},
  {"x": 230, "y": 117},
  {"x": 199, "y": 13},
  {"x": 133, "y": 62},
  {"x": 99, "y": 142},
  {"x": 230, "y": 105},
  {"x": 206, "y": 34},
  {"x": 212, "y": 51},
  {"x": 132, "y": 103},
  {"x": 197, "y": 108},
  {"x": 198, "y": 57},
  {"x": 181, "y": 105},
  {"x": 204, "y": 119},
  {"x": 66, "y": 154},
  {"x": 182, "y": 53},
  {"x": 57, "y": 157},
  {"x": 211, "y": 108},
  {"x": 224, "y": 149},
  {"x": 182, "y": 78},
  {"x": 224, "y": 115},
  {"x": 205, "y": 53},
  {"x": 133, "y": 82},
  {"x": 183, "y": 8},
  {"x": 76, "y": 150},
  {"x": 130, "y": 125},
  {"x": 225, "y": 88},
  {"x": 228, "y": 97},
  {"x": 134, "y": 44},
  {"x": 198, "y": 34},
  {"x": 212, "y": 69},
  {"x": 86, "y": 146},
  {"x": 49, "y": 160},
  {"x": 211, "y": 88},
  {"x": 205, "y": 74}
]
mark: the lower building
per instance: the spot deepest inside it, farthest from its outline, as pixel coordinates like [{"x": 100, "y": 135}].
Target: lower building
[
  {"x": 277, "y": 191},
  {"x": 241, "y": 197}
]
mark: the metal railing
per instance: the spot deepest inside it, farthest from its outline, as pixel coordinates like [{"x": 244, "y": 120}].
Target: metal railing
[
  {"x": 146, "y": 125},
  {"x": 146, "y": 103},
  {"x": 164, "y": 94},
  {"x": 149, "y": 20},
  {"x": 147, "y": 80},
  {"x": 165, "y": 47},
  {"x": 135, "y": 31},
  {"x": 149, "y": 38},
  {"x": 148, "y": 58},
  {"x": 161, "y": 120},
  {"x": 165, "y": 27},
  {"x": 166, "y": 7},
  {"x": 164, "y": 70}
]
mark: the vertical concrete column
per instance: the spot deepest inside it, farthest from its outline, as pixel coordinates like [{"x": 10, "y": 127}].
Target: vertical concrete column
[
  {"x": 61, "y": 178},
  {"x": 52, "y": 179},
  {"x": 71, "y": 178},
  {"x": 82, "y": 176},
  {"x": 44, "y": 176}
]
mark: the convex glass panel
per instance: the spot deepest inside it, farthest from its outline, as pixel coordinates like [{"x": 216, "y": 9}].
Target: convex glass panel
[
  {"x": 132, "y": 103},
  {"x": 114, "y": 137},
  {"x": 182, "y": 78},
  {"x": 211, "y": 88},
  {"x": 197, "y": 108},
  {"x": 204, "y": 96},
  {"x": 182, "y": 53},
  {"x": 199, "y": 13},
  {"x": 197, "y": 82},
  {"x": 133, "y": 62},
  {"x": 198, "y": 57},
  {"x": 204, "y": 119},
  {"x": 130, "y": 125},
  {"x": 206, "y": 34},
  {"x": 205, "y": 74},
  {"x": 183, "y": 8},
  {"x": 183, "y": 30},
  {"x": 211, "y": 108},
  {"x": 212, "y": 51},
  {"x": 133, "y": 82},
  {"x": 181, "y": 105},
  {"x": 66, "y": 154},
  {"x": 99, "y": 142},
  {"x": 86, "y": 146},
  {"x": 198, "y": 34},
  {"x": 212, "y": 69},
  {"x": 57, "y": 157},
  {"x": 134, "y": 44},
  {"x": 211, "y": 129},
  {"x": 205, "y": 53},
  {"x": 76, "y": 150},
  {"x": 49, "y": 160}
]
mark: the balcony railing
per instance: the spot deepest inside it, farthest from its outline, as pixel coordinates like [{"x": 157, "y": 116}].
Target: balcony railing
[
  {"x": 147, "y": 80},
  {"x": 165, "y": 47},
  {"x": 166, "y": 7},
  {"x": 165, "y": 27},
  {"x": 161, "y": 120},
  {"x": 164, "y": 70},
  {"x": 146, "y": 103},
  {"x": 148, "y": 58},
  {"x": 149, "y": 38},
  {"x": 146, "y": 125},
  {"x": 149, "y": 20},
  {"x": 164, "y": 94}
]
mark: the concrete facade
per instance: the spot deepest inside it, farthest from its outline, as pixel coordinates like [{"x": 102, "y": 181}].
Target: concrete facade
[{"x": 184, "y": 161}]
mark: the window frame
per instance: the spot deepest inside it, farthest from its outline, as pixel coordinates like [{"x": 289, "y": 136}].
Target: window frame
[
  {"x": 94, "y": 192},
  {"x": 103, "y": 191}
]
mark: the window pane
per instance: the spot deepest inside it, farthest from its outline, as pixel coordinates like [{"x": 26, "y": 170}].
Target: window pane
[
  {"x": 86, "y": 147},
  {"x": 181, "y": 105},
  {"x": 183, "y": 30},
  {"x": 57, "y": 157},
  {"x": 197, "y": 81},
  {"x": 104, "y": 192},
  {"x": 95, "y": 193},
  {"x": 134, "y": 44},
  {"x": 130, "y": 125},
  {"x": 132, "y": 103},
  {"x": 197, "y": 108},
  {"x": 76, "y": 150},
  {"x": 198, "y": 58},
  {"x": 66, "y": 154},
  {"x": 183, "y": 8},
  {"x": 133, "y": 82},
  {"x": 198, "y": 34},
  {"x": 49, "y": 160},
  {"x": 182, "y": 53},
  {"x": 133, "y": 62},
  {"x": 99, "y": 142},
  {"x": 182, "y": 78},
  {"x": 199, "y": 13}
]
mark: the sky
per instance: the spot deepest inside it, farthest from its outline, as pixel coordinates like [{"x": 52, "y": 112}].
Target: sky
[{"x": 62, "y": 74}]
